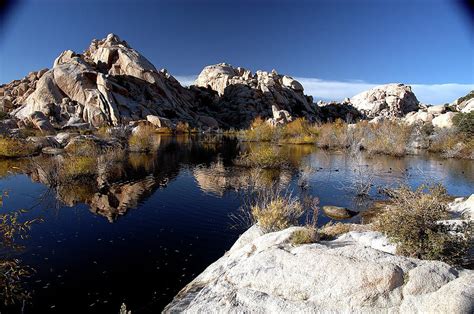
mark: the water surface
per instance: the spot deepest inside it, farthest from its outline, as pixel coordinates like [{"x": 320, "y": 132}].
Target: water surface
[{"x": 147, "y": 224}]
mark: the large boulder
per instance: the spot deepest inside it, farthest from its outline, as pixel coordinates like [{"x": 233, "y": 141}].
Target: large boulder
[
  {"x": 265, "y": 273},
  {"x": 444, "y": 120},
  {"x": 391, "y": 100}
]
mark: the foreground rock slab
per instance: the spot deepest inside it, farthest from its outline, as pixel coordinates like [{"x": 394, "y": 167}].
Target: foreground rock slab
[{"x": 266, "y": 273}]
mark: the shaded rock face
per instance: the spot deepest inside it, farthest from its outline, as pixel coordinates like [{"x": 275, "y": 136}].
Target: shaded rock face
[
  {"x": 241, "y": 95},
  {"x": 110, "y": 83},
  {"x": 391, "y": 100},
  {"x": 265, "y": 273}
]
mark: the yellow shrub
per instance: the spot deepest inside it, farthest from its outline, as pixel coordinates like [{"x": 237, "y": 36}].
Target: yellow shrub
[
  {"x": 259, "y": 131},
  {"x": 13, "y": 147},
  {"x": 77, "y": 166},
  {"x": 264, "y": 157},
  {"x": 277, "y": 214}
]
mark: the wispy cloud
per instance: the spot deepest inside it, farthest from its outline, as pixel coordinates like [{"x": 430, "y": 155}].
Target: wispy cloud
[{"x": 338, "y": 90}]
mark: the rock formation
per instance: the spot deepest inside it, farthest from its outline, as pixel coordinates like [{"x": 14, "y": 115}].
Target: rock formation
[
  {"x": 391, "y": 100},
  {"x": 110, "y": 83},
  {"x": 266, "y": 273},
  {"x": 242, "y": 95}
]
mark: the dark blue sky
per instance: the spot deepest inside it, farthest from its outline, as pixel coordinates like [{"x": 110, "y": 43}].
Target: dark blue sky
[{"x": 422, "y": 41}]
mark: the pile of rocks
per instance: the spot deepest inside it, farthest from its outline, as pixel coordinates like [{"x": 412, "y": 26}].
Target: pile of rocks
[{"x": 390, "y": 100}]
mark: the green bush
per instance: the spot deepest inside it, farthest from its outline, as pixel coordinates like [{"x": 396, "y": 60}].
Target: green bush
[
  {"x": 412, "y": 223},
  {"x": 464, "y": 123}
]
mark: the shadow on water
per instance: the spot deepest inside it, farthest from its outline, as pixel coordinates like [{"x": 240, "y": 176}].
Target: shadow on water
[{"x": 136, "y": 228}]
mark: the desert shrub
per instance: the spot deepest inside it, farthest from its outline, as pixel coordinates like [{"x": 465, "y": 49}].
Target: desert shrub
[
  {"x": 276, "y": 212},
  {"x": 452, "y": 144},
  {"x": 4, "y": 115},
  {"x": 412, "y": 223},
  {"x": 304, "y": 236},
  {"x": 14, "y": 147},
  {"x": 79, "y": 166},
  {"x": 264, "y": 157},
  {"x": 464, "y": 123},
  {"x": 143, "y": 139},
  {"x": 298, "y": 131},
  {"x": 387, "y": 137},
  {"x": 83, "y": 147},
  {"x": 333, "y": 135},
  {"x": 259, "y": 131}
]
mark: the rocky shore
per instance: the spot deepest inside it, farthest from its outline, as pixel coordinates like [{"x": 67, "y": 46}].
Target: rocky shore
[{"x": 356, "y": 272}]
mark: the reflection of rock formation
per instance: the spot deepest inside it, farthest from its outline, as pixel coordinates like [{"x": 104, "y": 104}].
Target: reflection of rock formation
[{"x": 120, "y": 182}]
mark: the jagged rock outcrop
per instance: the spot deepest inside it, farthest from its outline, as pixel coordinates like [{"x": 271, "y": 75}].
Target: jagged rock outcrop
[
  {"x": 390, "y": 100},
  {"x": 110, "y": 83},
  {"x": 466, "y": 103},
  {"x": 241, "y": 95},
  {"x": 265, "y": 273}
]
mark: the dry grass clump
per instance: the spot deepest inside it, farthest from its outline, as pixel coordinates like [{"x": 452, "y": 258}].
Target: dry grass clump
[
  {"x": 143, "y": 139},
  {"x": 387, "y": 137},
  {"x": 305, "y": 236},
  {"x": 264, "y": 157},
  {"x": 277, "y": 213},
  {"x": 83, "y": 147},
  {"x": 451, "y": 143},
  {"x": 333, "y": 135},
  {"x": 298, "y": 131},
  {"x": 14, "y": 147},
  {"x": 412, "y": 223},
  {"x": 259, "y": 131},
  {"x": 332, "y": 230}
]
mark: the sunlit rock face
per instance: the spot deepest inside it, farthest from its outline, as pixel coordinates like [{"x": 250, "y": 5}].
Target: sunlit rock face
[
  {"x": 110, "y": 83},
  {"x": 390, "y": 100},
  {"x": 265, "y": 273}
]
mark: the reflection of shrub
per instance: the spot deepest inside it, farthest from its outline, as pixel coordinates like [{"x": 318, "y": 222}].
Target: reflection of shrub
[
  {"x": 412, "y": 223},
  {"x": 78, "y": 166},
  {"x": 464, "y": 123},
  {"x": 264, "y": 157},
  {"x": 182, "y": 127},
  {"x": 12, "y": 147},
  {"x": 304, "y": 236}
]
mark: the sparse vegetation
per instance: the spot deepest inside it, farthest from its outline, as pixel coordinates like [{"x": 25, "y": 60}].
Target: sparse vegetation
[
  {"x": 143, "y": 139},
  {"x": 264, "y": 157},
  {"x": 277, "y": 212},
  {"x": 464, "y": 123},
  {"x": 413, "y": 224},
  {"x": 259, "y": 131},
  {"x": 387, "y": 137},
  {"x": 305, "y": 236},
  {"x": 3, "y": 115},
  {"x": 79, "y": 166},
  {"x": 298, "y": 131},
  {"x": 14, "y": 147}
]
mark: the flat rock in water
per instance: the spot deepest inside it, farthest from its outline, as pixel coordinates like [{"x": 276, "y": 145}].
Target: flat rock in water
[{"x": 337, "y": 212}]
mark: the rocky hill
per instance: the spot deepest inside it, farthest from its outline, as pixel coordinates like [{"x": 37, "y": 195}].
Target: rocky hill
[{"x": 111, "y": 83}]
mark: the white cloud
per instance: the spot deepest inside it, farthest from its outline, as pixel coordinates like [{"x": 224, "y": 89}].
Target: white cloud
[{"x": 338, "y": 90}]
